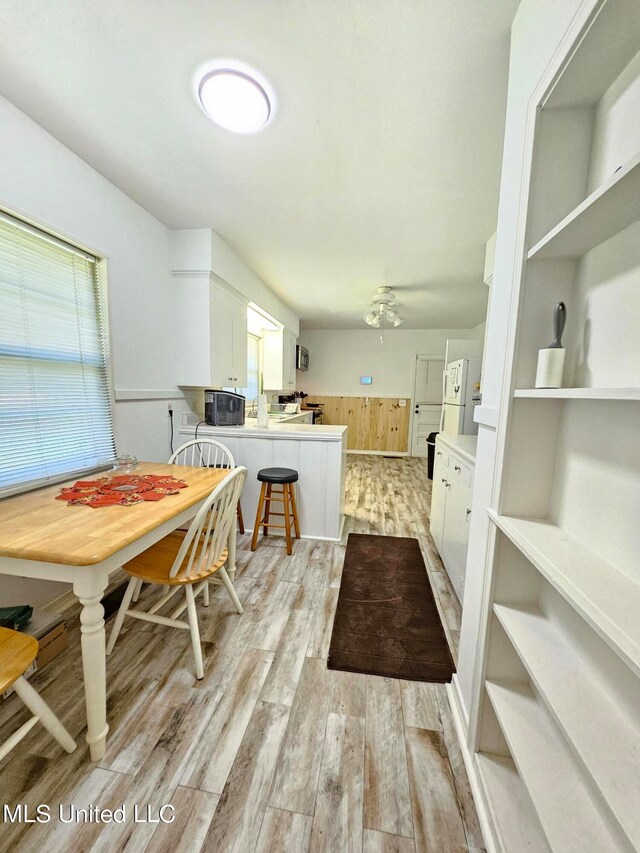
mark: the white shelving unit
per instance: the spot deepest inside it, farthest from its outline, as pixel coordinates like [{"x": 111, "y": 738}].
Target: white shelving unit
[
  {"x": 567, "y": 809},
  {"x": 605, "y": 597},
  {"x": 555, "y": 728},
  {"x": 509, "y": 805},
  {"x": 608, "y": 210},
  {"x": 567, "y": 681},
  {"x": 579, "y": 393}
]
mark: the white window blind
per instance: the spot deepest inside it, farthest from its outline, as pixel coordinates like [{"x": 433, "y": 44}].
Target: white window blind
[{"x": 55, "y": 408}]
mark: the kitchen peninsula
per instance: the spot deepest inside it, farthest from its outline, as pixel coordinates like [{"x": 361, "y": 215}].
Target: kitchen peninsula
[{"x": 318, "y": 454}]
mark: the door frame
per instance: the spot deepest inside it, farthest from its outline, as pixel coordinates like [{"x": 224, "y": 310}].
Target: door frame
[{"x": 428, "y": 357}]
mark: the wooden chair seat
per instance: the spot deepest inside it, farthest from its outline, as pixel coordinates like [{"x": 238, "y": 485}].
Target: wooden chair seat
[
  {"x": 154, "y": 565},
  {"x": 17, "y": 653},
  {"x": 174, "y": 563}
]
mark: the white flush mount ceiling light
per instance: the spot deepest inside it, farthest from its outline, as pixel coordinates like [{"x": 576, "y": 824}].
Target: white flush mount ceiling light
[
  {"x": 235, "y": 96},
  {"x": 384, "y": 309}
]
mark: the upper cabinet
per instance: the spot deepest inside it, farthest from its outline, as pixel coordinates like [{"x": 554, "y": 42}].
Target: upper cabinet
[
  {"x": 279, "y": 360},
  {"x": 211, "y": 321}
]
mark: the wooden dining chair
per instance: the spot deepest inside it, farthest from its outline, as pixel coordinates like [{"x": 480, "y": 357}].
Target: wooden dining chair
[
  {"x": 206, "y": 453},
  {"x": 17, "y": 653},
  {"x": 187, "y": 560},
  {"x": 210, "y": 454}
]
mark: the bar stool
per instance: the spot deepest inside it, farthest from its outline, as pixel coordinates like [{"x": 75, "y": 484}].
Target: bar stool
[{"x": 270, "y": 477}]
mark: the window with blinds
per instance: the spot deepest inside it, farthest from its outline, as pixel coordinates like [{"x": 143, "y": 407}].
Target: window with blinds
[{"x": 55, "y": 406}]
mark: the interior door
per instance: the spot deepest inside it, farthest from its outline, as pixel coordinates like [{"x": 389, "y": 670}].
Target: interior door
[{"x": 427, "y": 401}]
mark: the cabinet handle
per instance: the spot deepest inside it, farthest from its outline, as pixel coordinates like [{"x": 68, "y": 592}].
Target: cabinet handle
[
  {"x": 456, "y": 467},
  {"x": 439, "y": 453},
  {"x": 468, "y": 513}
]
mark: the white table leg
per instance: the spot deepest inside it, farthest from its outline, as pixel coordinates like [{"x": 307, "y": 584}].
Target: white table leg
[
  {"x": 231, "y": 549},
  {"x": 89, "y": 587}
]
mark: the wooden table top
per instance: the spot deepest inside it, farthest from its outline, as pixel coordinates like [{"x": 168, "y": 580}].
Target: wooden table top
[{"x": 35, "y": 526}]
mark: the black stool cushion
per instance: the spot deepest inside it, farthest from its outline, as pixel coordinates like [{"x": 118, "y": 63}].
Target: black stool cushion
[{"x": 278, "y": 475}]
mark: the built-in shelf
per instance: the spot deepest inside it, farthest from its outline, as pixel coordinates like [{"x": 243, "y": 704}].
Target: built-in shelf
[
  {"x": 567, "y": 809},
  {"x": 512, "y": 813},
  {"x": 605, "y": 597},
  {"x": 608, "y": 210},
  {"x": 607, "y": 47},
  {"x": 568, "y": 682},
  {"x": 579, "y": 393}
]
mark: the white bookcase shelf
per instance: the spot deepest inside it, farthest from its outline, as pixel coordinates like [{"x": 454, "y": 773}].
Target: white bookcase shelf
[
  {"x": 540, "y": 753},
  {"x": 579, "y": 393},
  {"x": 554, "y": 726},
  {"x": 605, "y": 597},
  {"x": 509, "y": 805},
  {"x": 608, "y": 210},
  {"x": 567, "y": 681},
  {"x": 605, "y": 49}
]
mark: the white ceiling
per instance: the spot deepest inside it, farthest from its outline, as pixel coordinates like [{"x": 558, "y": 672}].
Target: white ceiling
[{"x": 381, "y": 166}]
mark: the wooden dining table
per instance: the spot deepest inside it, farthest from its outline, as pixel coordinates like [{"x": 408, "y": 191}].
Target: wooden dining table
[{"x": 41, "y": 537}]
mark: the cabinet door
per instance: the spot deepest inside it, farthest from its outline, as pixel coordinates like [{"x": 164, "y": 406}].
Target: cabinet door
[
  {"x": 222, "y": 306},
  {"x": 438, "y": 500},
  {"x": 289, "y": 372},
  {"x": 239, "y": 342},
  {"x": 456, "y": 532}
]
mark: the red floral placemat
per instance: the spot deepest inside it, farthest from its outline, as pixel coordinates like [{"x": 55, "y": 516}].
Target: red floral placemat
[{"x": 123, "y": 490}]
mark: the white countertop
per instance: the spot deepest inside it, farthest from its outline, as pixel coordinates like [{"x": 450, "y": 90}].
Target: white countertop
[
  {"x": 461, "y": 445},
  {"x": 276, "y": 430}
]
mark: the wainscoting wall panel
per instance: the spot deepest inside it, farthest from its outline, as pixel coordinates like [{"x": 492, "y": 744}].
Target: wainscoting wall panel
[{"x": 375, "y": 423}]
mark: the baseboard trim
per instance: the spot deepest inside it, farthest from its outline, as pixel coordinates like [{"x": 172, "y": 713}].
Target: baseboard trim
[
  {"x": 460, "y": 721},
  {"x": 281, "y": 535},
  {"x": 379, "y": 452}
]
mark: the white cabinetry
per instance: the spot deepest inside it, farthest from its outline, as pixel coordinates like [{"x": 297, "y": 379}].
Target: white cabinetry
[
  {"x": 211, "y": 321},
  {"x": 451, "y": 512},
  {"x": 556, "y": 686},
  {"x": 279, "y": 360}
]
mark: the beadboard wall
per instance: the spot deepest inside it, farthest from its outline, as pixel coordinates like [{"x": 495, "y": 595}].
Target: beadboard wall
[{"x": 379, "y": 424}]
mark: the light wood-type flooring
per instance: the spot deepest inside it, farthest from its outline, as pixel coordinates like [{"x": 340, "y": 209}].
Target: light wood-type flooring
[{"x": 271, "y": 751}]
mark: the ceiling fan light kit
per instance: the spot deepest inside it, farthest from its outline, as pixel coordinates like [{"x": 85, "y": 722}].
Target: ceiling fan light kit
[{"x": 385, "y": 309}]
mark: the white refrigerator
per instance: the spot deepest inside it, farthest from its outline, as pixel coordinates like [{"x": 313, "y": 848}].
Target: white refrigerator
[{"x": 460, "y": 380}]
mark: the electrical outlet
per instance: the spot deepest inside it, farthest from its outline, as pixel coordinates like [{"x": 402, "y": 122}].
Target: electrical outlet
[
  {"x": 402, "y": 403},
  {"x": 170, "y": 412}
]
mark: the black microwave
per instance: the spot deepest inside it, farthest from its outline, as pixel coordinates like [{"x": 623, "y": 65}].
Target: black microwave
[{"x": 223, "y": 408}]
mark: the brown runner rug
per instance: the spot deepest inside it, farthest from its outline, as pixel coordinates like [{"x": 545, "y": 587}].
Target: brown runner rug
[{"x": 387, "y": 621}]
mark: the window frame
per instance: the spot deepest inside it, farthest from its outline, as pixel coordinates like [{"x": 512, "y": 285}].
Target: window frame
[{"x": 101, "y": 266}]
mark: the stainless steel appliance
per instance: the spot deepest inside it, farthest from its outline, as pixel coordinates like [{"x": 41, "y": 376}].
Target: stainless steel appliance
[
  {"x": 302, "y": 358},
  {"x": 223, "y": 408}
]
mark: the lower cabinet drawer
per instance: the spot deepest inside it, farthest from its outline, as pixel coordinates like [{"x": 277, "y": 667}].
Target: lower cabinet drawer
[
  {"x": 442, "y": 456},
  {"x": 460, "y": 471}
]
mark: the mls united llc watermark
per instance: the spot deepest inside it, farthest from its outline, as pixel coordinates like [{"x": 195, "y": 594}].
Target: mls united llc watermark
[{"x": 23, "y": 813}]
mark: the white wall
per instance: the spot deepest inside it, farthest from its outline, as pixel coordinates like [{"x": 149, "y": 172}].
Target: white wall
[
  {"x": 46, "y": 183},
  {"x": 339, "y": 357},
  {"x": 478, "y": 332}
]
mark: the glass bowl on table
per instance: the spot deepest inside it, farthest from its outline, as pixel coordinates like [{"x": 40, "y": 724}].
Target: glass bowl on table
[{"x": 125, "y": 463}]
